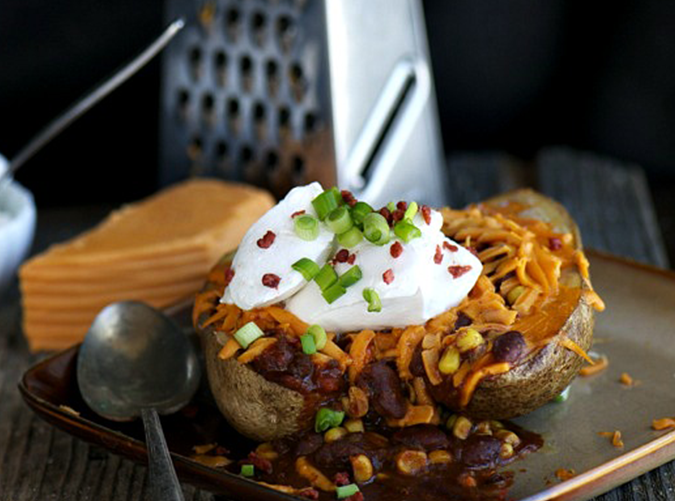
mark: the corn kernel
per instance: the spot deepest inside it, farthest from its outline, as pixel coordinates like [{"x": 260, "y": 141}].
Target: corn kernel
[
  {"x": 469, "y": 340},
  {"x": 362, "y": 468},
  {"x": 450, "y": 423},
  {"x": 334, "y": 434},
  {"x": 506, "y": 451},
  {"x": 449, "y": 362},
  {"x": 411, "y": 462},
  {"x": 462, "y": 428},
  {"x": 513, "y": 295},
  {"x": 354, "y": 426},
  {"x": 508, "y": 437},
  {"x": 483, "y": 428},
  {"x": 266, "y": 451},
  {"x": 440, "y": 457}
]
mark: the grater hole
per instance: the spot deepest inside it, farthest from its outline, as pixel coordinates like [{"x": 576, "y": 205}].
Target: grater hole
[
  {"x": 298, "y": 81},
  {"x": 246, "y": 72},
  {"x": 232, "y": 23},
  {"x": 207, "y": 13},
  {"x": 183, "y": 99},
  {"x": 246, "y": 155},
  {"x": 220, "y": 61},
  {"x": 195, "y": 58},
  {"x": 271, "y": 161},
  {"x": 233, "y": 107},
  {"x": 284, "y": 116},
  {"x": 195, "y": 148},
  {"x": 297, "y": 169},
  {"x": 258, "y": 25},
  {"x": 286, "y": 32},
  {"x": 259, "y": 112},
  {"x": 208, "y": 107},
  {"x": 310, "y": 123},
  {"x": 222, "y": 151},
  {"x": 272, "y": 72}
]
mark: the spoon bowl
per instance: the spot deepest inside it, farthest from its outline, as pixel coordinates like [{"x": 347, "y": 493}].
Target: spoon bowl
[
  {"x": 135, "y": 361},
  {"x": 135, "y": 357}
]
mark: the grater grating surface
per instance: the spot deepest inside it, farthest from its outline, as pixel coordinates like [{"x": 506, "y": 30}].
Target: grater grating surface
[{"x": 247, "y": 96}]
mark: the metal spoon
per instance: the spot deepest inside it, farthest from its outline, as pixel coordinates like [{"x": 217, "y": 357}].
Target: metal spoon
[
  {"x": 88, "y": 101},
  {"x": 135, "y": 361}
]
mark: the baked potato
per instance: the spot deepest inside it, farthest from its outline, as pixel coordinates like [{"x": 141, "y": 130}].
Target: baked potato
[{"x": 512, "y": 345}]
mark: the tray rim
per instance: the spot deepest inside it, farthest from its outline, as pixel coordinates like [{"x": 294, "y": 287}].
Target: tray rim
[{"x": 585, "y": 485}]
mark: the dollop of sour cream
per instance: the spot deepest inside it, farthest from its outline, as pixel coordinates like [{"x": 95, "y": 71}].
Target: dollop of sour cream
[{"x": 415, "y": 281}]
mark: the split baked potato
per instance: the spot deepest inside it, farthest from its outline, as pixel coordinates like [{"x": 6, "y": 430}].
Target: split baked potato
[{"x": 533, "y": 339}]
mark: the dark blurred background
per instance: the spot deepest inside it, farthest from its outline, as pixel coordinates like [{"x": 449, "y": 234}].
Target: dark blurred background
[{"x": 513, "y": 76}]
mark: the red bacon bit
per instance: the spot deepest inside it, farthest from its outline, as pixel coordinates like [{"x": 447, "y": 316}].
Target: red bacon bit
[
  {"x": 260, "y": 463},
  {"x": 348, "y": 198},
  {"x": 222, "y": 451},
  {"x": 554, "y": 243},
  {"x": 267, "y": 240},
  {"x": 396, "y": 249},
  {"x": 297, "y": 213},
  {"x": 351, "y": 259},
  {"x": 229, "y": 275},
  {"x": 402, "y": 205},
  {"x": 450, "y": 247},
  {"x": 438, "y": 257},
  {"x": 309, "y": 493},
  {"x": 457, "y": 271},
  {"x": 387, "y": 215},
  {"x": 357, "y": 496},
  {"x": 342, "y": 478},
  {"x": 388, "y": 276},
  {"x": 271, "y": 280},
  {"x": 473, "y": 251},
  {"x": 342, "y": 256},
  {"x": 398, "y": 214},
  {"x": 426, "y": 214}
]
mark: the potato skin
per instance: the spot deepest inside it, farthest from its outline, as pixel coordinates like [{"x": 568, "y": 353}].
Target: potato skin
[
  {"x": 263, "y": 410},
  {"x": 255, "y": 407},
  {"x": 546, "y": 373}
]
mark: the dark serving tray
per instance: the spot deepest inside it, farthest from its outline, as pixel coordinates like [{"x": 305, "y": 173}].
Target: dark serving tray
[{"x": 636, "y": 333}]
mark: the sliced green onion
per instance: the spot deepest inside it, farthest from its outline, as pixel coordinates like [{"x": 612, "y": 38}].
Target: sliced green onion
[
  {"x": 564, "y": 395},
  {"x": 327, "y": 418},
  {"x": 319, "y": 335},
  {"x": 308, "y": 344},
  {"x": 306, "y": 227},
  {"x": 339, "y": 220},
  {"x": 306, "y": 267},
  {"x": 391, "y": 206},
  {"x": 406, "y": 231},
  {"x": 326, "y": 277},
  {"x": 350, "y": 238},
  {"x": 333, "y": 292},
  {"x": 376, "y": 228},
  {"x": 351, "y": 276},
  {"x": 247, "y": 334},
  {"x": 360, "y": 211},
  {"x": 247, "y": 470},
  {"x": 345, "y": 491},
  {"x": 373, "y": 299},
  {"x": 327, "y": 202},
  {"x": 410, "y": 211}
]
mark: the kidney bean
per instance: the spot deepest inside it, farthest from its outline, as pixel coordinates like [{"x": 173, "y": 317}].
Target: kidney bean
[
  {"x": 309, "y": 444},
  {"x": 509, "y": 347},
  {"x": 336, "y": 454},
  {"x": 480, "y": 450},
  {"x": 382, "y": 384},
  {"x": 463, "y": 320},
  {"x": 424, "y": 436}
]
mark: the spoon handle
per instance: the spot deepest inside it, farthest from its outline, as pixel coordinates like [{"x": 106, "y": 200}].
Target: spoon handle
[{"x": 164, "y": 485}]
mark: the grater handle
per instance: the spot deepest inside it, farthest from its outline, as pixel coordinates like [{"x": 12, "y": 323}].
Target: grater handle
[
  {"x": 390, "y": 122},
  {"x": 88, "y": 101}
]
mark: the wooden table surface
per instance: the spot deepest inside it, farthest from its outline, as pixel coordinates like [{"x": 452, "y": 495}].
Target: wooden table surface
[{"x": 611, "y": 203}]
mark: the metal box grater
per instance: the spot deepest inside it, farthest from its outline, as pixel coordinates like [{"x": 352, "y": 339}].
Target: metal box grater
[{"x": 283, "y": 92}]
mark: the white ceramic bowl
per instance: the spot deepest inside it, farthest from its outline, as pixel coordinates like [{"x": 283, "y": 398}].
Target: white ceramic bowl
[{"x": 17, "y": 227}]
